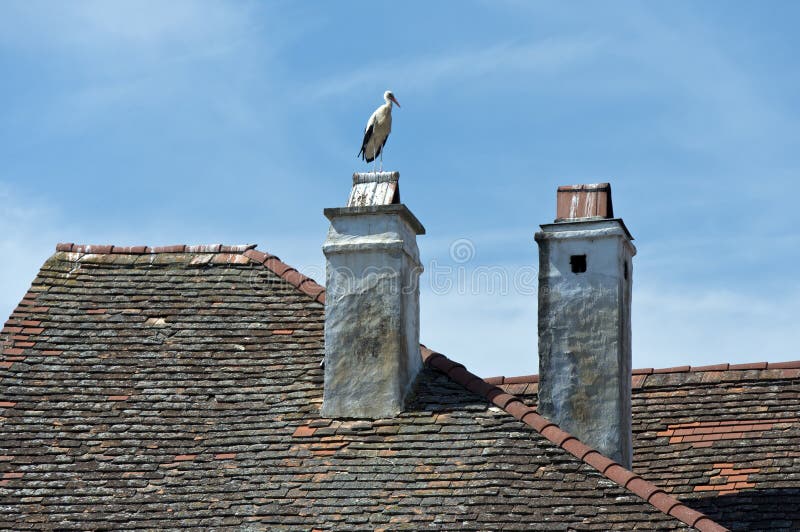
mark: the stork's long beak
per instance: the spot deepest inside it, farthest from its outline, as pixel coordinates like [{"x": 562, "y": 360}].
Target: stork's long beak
[{"x": 395, "y": 101}]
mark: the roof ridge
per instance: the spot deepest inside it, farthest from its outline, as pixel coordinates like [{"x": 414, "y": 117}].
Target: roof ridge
[
  {"x": 794, "y": 364},
  {"x": 305, "y": 284},
  {"x": 610, "y": 469},
  {"x": 99, "y": 249}
]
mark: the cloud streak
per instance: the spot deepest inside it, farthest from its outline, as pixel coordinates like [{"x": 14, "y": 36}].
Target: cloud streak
[
  {"x": 92, "y": 29},
  {"x": 691, "y": 325},
  {"x": 544, "y": 57}
]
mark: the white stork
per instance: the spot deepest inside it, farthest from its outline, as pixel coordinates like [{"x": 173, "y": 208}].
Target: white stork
[{"x": 377, "y": 131}]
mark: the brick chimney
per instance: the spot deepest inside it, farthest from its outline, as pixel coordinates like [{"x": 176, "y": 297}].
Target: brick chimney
[
  {"x": 585, "y": 275},
  {"x": 372, "y": 353}
]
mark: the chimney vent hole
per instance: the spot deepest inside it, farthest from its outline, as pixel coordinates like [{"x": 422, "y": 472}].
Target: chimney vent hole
[{"x": 578, "y": 263}]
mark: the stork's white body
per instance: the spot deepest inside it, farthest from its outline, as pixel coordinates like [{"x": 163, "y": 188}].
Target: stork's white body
[
  {"x": 381, "y": 124},
  {"x": 378, "y": 128}
]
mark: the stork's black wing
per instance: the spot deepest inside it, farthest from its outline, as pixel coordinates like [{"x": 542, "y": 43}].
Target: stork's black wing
[
  {"x": 377, "y": 152},
  {"x": 367, "y": 136}
]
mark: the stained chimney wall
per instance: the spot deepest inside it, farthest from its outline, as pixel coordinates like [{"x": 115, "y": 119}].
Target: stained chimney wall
[
  {"x": 372, "y": 353},
  {"x": 585, "y": 332}
]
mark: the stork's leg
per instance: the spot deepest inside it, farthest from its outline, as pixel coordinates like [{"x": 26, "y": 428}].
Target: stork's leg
[{"x": 381, "y": 160}]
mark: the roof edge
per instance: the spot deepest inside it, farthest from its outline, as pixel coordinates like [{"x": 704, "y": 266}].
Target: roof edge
[
  {"x": 98, "y": 249},
  {"x": 610, "y": 469},
  {"x": 303, "y": 283},
  {"x": 643, "y": 373}
]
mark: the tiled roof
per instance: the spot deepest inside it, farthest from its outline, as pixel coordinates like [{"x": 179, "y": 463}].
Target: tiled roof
[
  {"x": 180, "y": 386},
  {"x": 528, "y": 415},
  {"x": 724, "y": 439}
]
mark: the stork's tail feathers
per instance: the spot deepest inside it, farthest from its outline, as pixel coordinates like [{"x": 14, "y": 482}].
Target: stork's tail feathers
[{"x": 364, "y": 156}]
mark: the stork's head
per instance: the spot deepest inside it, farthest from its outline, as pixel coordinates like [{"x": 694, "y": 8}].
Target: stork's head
[{"x": 388, "y": 96}]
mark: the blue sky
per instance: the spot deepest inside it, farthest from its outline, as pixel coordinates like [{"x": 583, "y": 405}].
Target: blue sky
[{"x": 193, "y": 122}]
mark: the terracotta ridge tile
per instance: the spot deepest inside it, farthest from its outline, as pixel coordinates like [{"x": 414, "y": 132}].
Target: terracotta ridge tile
[
  {"x": 276, "y": 265},
  {"x": 608, "y": 468},
  {"x": 619, "y": 474},
  {"x": 311, "y": 288},
  {"x": 294, "y": 278},
  {"x": 522, "y": 379},
  {"x": 713, "y": 367},
  {"x": 203, "y": 248},
  {"x": 130, "y": 250},
  {"x": 641, "y": 487},
  {"x": 92, "y": 248},
  {"x": 518, "y": 409},
  {"x": 138, "y": 250},
  {"x": 752, "y": 365},
  {"x": 238, "y": 248},
  {"x": 461, "y": 375},
  {"x": 303, "y": 283},
  {"x": 794, "y": 364},
  {"x": 686, "y": 514},
  {"x": 576, "y": 447},
  {"x": 675, "y": 369},
  {"x": 177, "y": 248},
  {"x": 557, "y": 435},
  {"x": 256, "y": 256},
  {"x": 480, "y": 386},
  {"x": 663, "y": 501}
]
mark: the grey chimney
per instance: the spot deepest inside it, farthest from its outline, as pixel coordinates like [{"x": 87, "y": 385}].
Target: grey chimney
[
  {"x": 585, "y": 273},
  {"x": 372, "y": 354}
]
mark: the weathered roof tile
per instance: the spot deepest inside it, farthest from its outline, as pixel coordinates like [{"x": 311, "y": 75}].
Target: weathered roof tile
[{"x": 208, "y": 417}]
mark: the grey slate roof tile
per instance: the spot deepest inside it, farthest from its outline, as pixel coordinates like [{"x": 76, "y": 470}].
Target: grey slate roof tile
[
  {"x": 165, "y": 390},
  {"x": 724, "y": 439}
]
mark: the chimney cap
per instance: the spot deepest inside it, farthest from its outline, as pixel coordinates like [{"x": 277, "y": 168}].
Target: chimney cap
[
  {"x": 582, "y": 202},
  {"x": 332, "y": 213}
]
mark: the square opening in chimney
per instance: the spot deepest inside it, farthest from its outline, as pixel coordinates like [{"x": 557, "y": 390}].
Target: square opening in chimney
[{"x": 578, "y": 263}]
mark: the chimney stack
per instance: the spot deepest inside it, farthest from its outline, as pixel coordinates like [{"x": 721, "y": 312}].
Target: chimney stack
[
  {"x": 585, "y": 275},
  {"x": 372, "y": 353}
]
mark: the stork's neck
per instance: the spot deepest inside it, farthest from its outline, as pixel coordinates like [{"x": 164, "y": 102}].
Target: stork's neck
[{"x": 388, "y": 102}]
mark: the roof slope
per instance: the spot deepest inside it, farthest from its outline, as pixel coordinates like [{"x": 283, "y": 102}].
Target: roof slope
[
  {"x": 726, "y": 442},
  {"x": 724, "y": 439},
  {"x": 181, "y": 386}
]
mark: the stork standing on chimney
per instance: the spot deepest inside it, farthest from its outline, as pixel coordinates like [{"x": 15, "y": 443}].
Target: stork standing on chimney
[{"x": 377, "y": 131}]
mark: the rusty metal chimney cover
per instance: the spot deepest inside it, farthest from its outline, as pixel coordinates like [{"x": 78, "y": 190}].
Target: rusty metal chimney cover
[{"x": 577, "y": 202}]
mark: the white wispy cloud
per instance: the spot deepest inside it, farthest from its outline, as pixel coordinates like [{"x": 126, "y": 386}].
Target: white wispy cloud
[
  {"x": 718, "y": 101},
  {"x": 684, "y": 62},
  {"x": 543, "y": 57},
  {"x": 91, "y": 29},
  {"x": 490, "y": 334},
  {"x": 674, "y": 325},
  {"x": 107, "y": 58},
  {"x": 493, "y": 334}
]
